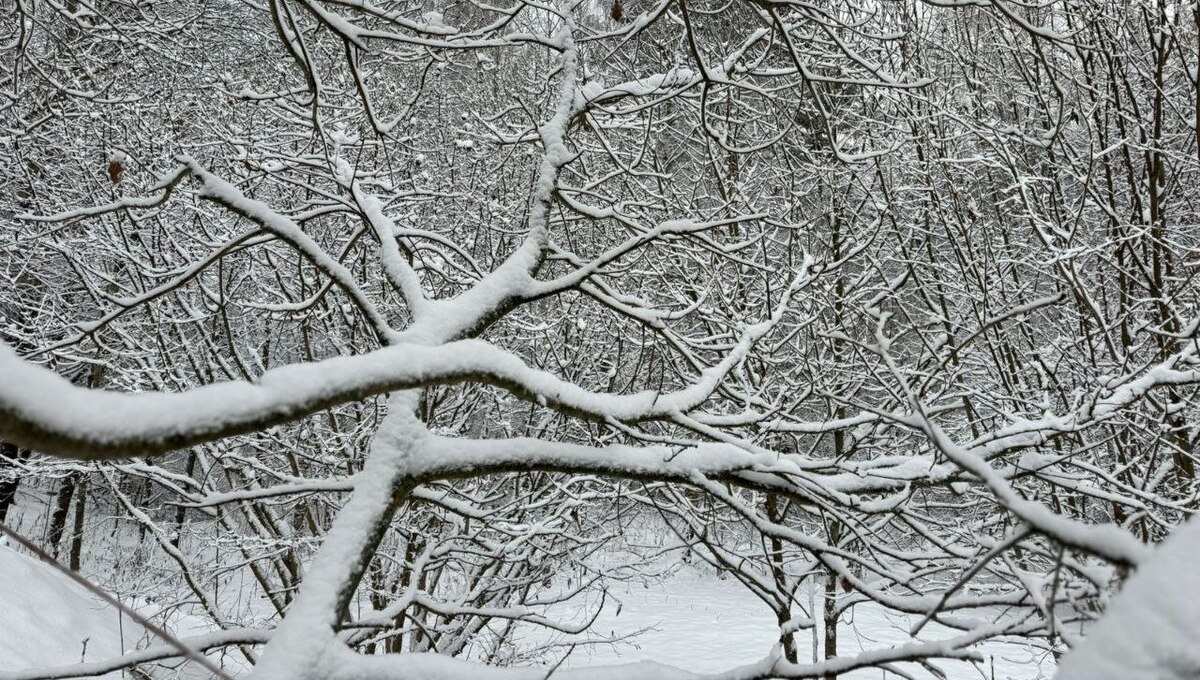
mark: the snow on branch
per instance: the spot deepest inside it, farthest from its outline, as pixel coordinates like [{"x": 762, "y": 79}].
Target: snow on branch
[
  {"x": 1150, "y": 630},
  {"x": 43, "y": 411}
]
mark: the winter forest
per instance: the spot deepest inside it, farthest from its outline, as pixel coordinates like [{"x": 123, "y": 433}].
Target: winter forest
[{"x": 599, "y": 339}]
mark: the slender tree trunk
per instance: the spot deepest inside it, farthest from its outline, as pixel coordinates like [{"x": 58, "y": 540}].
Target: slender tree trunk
[
  {"x": 830, "y": 617},
  {"x": 77, "y": 524},
  {"x": 180, "y": 511},
  {"x": 783, "y": 615},
  {"x": 58, "y": 518},
  {"x": 9, "y": 456}
]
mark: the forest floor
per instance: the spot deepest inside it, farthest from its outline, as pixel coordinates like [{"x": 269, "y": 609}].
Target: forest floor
[
  {"x": 690, "y": 619},
  {"x": 704, "y": 624},
  {"x": 48, "y": 620}
]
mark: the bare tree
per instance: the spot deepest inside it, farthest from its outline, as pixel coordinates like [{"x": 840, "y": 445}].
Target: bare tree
[{"x": 899, "y": 297}]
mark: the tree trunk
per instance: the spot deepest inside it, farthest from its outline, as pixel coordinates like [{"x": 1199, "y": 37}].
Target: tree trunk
[
  {"x": 77, "y": 524},
  {"x": 9, "y": 456},
  {"x": 58, "y": 518},
  {"x": 180, "y": 510},
  {"x": 775, "y": 514},
  {"x": 830, "y": 619},
  {"x": 830, "y": 605}
]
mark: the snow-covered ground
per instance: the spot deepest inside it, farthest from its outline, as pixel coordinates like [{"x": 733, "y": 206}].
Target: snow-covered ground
[
  {"x": 702, "y": 623},
  {"x": 48, "y": 620},
  {"x": 691, "y": 620}
]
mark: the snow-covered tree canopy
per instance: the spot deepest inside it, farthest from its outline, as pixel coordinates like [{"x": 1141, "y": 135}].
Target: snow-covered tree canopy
[{"x": 381, "y": 328}]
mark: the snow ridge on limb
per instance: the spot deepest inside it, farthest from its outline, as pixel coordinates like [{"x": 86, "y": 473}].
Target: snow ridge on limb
[
  {"x": 305, "y": 644},
  {"x": 401, "y": 275},
  {"x": 513, "y": 280},
  {"x": 1107, "y": 540},
  {"x": 692, "y": 286},
  {"x": 225, "y": 194},
  {"x": 43, "y": 411},
  {"x": 1150, "y": 629},
  {"x": 304, "y": 638}
]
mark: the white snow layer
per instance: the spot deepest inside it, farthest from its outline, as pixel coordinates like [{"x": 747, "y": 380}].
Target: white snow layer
[
  {"x": 1151, "y": 629},
  {"x": 48, "y": 620},
  {"x": 707, "y": 625},
  {"x": 690, "y": 621}
]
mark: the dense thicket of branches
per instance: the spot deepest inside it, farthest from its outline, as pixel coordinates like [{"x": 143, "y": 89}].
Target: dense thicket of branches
[{"x": 894, "y": 300}]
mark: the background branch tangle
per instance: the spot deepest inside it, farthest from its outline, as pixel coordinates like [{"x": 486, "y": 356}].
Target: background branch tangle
[{"x": 892, "y": 301}]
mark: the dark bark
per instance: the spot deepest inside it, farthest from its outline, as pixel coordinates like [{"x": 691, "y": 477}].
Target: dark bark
[
  {"x": 830, "y": 609},
  {"x": 10, "y": 455},
  {"x": 830, "y": 619},
  {"x": 77, "y": 525},
  {"x": 784, "y": 614},
  {"x": 58, "y": 518},
  {"x": 180, "y": 510}
]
